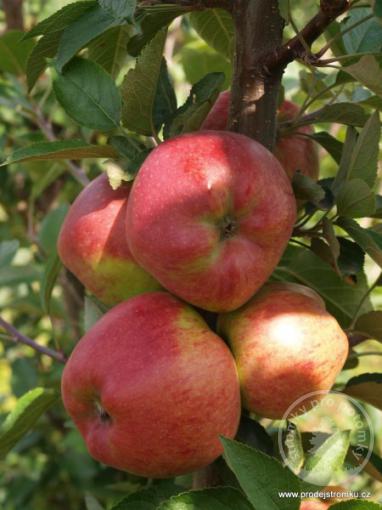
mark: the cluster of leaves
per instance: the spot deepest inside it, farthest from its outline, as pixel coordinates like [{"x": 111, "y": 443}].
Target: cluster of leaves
[{"x": 117, "y": 100}]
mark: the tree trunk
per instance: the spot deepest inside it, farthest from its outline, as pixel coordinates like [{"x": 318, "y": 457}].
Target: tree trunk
[
  {"x": 255, "y": 89},
  {"x": 14, "y": 14}
]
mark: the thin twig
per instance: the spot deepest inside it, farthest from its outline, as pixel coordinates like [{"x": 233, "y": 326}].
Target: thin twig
[
  {"x": 18, "y": 337},
  {"x": 46, "y": 127},
  {"x": 193, "y": 5},
  {"x": 295, "y": 49}
]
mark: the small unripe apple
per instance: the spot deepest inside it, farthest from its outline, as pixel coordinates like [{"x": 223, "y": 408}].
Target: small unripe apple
[
  {"x": 286, "y": 346},
  {"x": 313, "y": 504},
  {"x": 209, "y": 216},
  {"x": 93, "y": 246},
  {"x": 295, "y": 151},
  {"x": 151, "y": 388}
]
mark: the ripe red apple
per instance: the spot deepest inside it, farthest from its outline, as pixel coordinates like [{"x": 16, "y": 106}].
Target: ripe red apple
[
  {"x": 286, "y": 345},
  {"x": 313, "y": 504},
  {"x": 93, "y": 246},
  {"x": 209, "y": 216},
  {"x": 295, "y": 151},
  {"x": 151, "y": 388}
]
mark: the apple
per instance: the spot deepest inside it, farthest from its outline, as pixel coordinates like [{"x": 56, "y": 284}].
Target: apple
[
  {"x": 151, "y": 388},
  {"x": 294, "y": 151},
  {"x": 286, "y": 345},
  {"x": 313, "y": 504},
  {"x": 209, "y": 216},
  {"x": 92, "y": 244}
]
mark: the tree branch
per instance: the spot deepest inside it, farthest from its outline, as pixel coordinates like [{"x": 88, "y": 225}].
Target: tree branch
[
  {"x": 20, "y": 338},
  {"x": 259, "y": 27},
  {"x": 13, "y": 10},
  {"x": 295, "y": 48},
  {"x": 192, "y": 5}
]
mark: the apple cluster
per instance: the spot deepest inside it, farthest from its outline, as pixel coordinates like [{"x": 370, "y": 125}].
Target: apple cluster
[{"x": 151, "y": 386}]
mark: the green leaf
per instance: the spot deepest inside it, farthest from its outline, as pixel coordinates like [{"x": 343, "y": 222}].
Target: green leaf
[
  {"x": 369, "y": 240},
  {"x": 148, "y": 499},
  {"x": 216, "y": 27},
  {"x": 109, "y": 50},
  {"x": 366, "y": 387},
  {"x": 364, "y": 38},
  {"x": 356, "y": 504},
  {"x": 151, "y": 22},
  {"x": 330, "y": 236},
  {"x": 300, "y": 265},
  {"x": 119, "y": 9},
  {"x": 8, "y": 250},
  {"x": 293, "y": 443},
  {"x": 306, "y": 188},
  {"x": 92, "y": 312},
  {"x": 377, "y": 4},
  {"x": 14, "y": 52},
  {"x": 61, "y": 19},
  {"x": 92, "y": 503},
  {"x": 46, "y": 179},
  {"x": 53, "y": 28},
  {"x": 51, "y": 271},
  {"x": 219, "y": 498},
  {"x": 139, "y": 88},
  {"x": 357, "y": 456},
  {"x": 191, "y": 115},
  {"x": 355, "y": 199},
  {"x": 342, "y": 113},
  {"x": 14, "y": 275},
  {"x": 329, "y": 143},
  {"x": 364, "y": 159},
  {"x": 63, "y": 149},
  {"x": 252, "y": 433},
  {"x": 45, "y": 48},
  {"x": 165, "y": 104},
  {"x": 132, "y": 154},
  {"x": 352, "y": 257},
  {"x": 284, "y": 9},
  {"x": 261, "y": 477},
  {"x": 23, "y": 417},
  {"x": 371, "y": 324},
  {"x": 83, "y": 30},
  {"x": 50, "y": 228},
  {"x": 347, "y": 152},
  {"x": 320, "y": 467},
  {"x": 367, "y": 71},
  {"x": 89, "y": 95}
]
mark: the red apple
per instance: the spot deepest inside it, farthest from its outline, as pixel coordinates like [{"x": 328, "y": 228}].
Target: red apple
[
  {"x": 286, "y": 345},
  {"x": 151, "y": 388},
  {"x": 209, "y": 216},
  {"x": 313, "y": 504},
  {"x": 294, "y": 151},
  {"x": 93, "y": 246}
]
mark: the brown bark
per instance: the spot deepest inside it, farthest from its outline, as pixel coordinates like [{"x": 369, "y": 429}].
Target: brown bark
[
  {"x": 13, "y": 10},
  {"x": 255, "y": 90}
]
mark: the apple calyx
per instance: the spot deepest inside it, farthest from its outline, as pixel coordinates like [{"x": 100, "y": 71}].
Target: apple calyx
[
  {"x": 103, "y": 415},
  {"x": 228, "y": 227}
]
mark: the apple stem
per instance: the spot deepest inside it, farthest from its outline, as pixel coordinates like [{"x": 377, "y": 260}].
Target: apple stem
[{"x": 18, "y": 337}]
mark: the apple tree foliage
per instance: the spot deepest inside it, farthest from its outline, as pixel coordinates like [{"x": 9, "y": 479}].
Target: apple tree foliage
[{"x": 95, "y": 86}]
